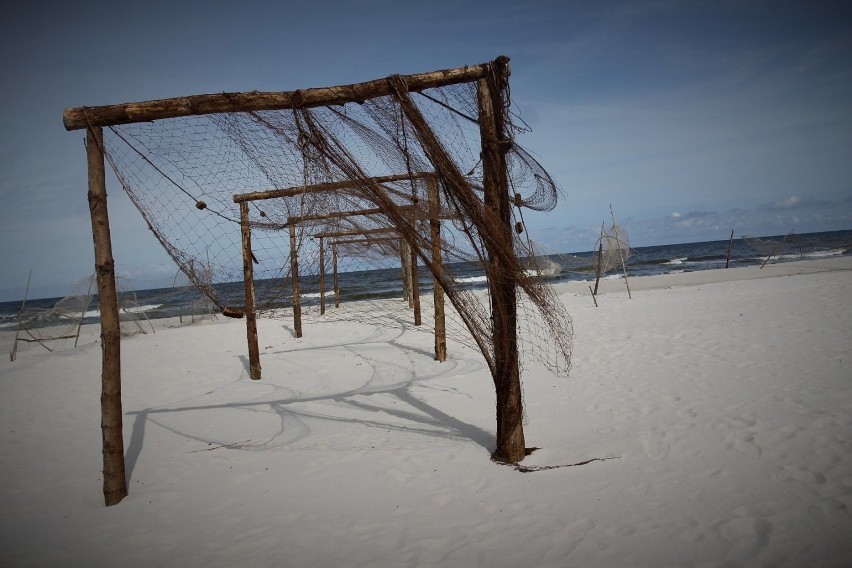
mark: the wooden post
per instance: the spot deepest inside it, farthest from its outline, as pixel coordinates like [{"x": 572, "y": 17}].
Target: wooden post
[
  {"x": 405, "y": 272},
  {"x": 248, "y": 281},
  {"x": 491, "y": 94},
  {"x": 322, "y": 276},
  {"x": 115, "y": 482},
  {"x": 438, "y": 291},
  {"x": 414, "y": 276},
  {"x": 336, "y": 279},
  {"x": 598, "y": 267},
  {"x": 294, "y": 276},
  {"x": 730, "y": 246}
]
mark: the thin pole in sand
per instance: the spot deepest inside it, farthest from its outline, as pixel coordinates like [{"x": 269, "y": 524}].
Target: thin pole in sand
[
  {"x": 730, "y": 246},
  {"x": 620, "y": 254},
  {"x": 778, "y": 246},
  {"x": 593, "y": 296},
  {"x": 599, "y": 265},
  {"x": 84, "y": 310},
  {"x": 14, "y": 352}
]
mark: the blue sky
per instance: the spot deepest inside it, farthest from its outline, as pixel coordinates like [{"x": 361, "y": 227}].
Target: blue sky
[{"x": 691, "y": 118}]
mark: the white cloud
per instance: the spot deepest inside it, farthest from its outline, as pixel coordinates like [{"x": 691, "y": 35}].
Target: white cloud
[{"x": 790, "y": 202}]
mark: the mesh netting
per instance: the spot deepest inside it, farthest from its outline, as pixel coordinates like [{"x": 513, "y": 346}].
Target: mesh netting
[
  {"x": 613, "y": 249},
  {"x": 789, "y": 245},
  {"x": 58, "y": 327},
  {"x": 359, "y": 191}
]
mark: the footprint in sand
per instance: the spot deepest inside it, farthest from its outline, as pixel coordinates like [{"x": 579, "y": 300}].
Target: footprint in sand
[
  {"x": 798, "y": 473},
  {"x": 655, "y": 444}
]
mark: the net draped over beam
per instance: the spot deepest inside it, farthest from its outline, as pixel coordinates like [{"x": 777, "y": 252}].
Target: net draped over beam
[{"x": 412, "y": 154}]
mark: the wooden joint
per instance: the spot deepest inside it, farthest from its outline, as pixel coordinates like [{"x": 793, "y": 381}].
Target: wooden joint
[{"x": 298, "y": 98}]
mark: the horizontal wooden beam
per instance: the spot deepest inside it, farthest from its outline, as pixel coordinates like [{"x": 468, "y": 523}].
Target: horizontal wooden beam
[
  {"x": 355, "y": 241},
  {"x": 356, "y": 232},
  {"x": 321, "y": 187},
  {"x": 296, "y": 219},
  {"x": 126, "y": 113}
]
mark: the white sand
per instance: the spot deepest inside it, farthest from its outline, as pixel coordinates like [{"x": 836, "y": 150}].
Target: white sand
[{"x": 725, "y": 398}]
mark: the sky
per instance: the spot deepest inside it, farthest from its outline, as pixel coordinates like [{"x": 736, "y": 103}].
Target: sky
[{"x": 692, "y": 119}]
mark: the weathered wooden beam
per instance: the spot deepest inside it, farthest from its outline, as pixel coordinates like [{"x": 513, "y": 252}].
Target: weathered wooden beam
[
  {"x": 80, "y": 117},
  {"x": 115, "y": 483},
  {"x": 353, "y": 233},
  {"x": 329, "y": 186},
  {"x": 296, "y": 219},
  {"x": 248, "y": 282},
  {"x": 416, "y": 212},
  {"x": 501, "y": 279}
]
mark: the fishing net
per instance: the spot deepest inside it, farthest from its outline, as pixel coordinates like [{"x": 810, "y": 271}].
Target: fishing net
[
  {"x": 58, "y": 327},
  {"x": 789, "y": 245},
  {"x": 613, "y": 249},
  {"x": 369, "y": 194}
]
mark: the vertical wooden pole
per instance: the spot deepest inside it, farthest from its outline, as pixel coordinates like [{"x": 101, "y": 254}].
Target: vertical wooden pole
[
  {"x": 730, "y": 246},
  {"x": 599, "y": 264},
  {"x": 115, "y": 482},
  {"x": 336, "y": 278},
  {"x": 415, "y": 286},
  {"x": 405, "y": 270},
  {"x": 294, "y": 276},
  {"x": 438, "y": 291},
  {"x": 501, "y": 280},
  {"x": 322, "y": 276},
  {"x": 248, "y": 281}
]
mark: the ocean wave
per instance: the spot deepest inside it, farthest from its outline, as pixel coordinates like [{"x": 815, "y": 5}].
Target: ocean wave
[
  {"x": 472, "y": 279},
  {"x": 676, "y": 261}
]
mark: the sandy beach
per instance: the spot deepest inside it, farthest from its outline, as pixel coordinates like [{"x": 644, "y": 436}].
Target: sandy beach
[{"x": 712, "y": 413}]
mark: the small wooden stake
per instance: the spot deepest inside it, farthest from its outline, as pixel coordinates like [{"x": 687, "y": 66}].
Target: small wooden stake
[
  {"x": 14, "y": 352},
  {"x": 115, "y": 482},
  {"x": 730, "y": 246},
  {"x": 248, "y": 281},
  {"x": 593, "y": 296}
]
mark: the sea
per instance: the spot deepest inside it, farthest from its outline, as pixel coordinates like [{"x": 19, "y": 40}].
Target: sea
[{"x": 186, "y": 302}]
